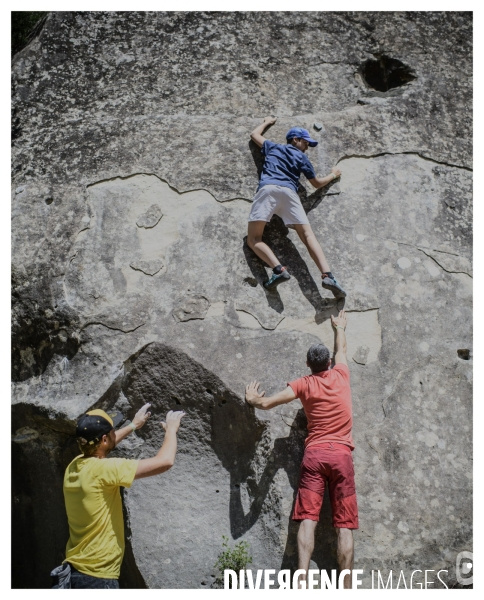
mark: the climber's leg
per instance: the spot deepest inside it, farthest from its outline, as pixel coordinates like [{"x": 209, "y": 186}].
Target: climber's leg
[
  {"x": 305, "y": 547},
  {"x": 314, "y": 248},
  {"x": 316, "y": 252},
  {"x": 345, "y": 553},
  {"x": 255, "y": 243}
]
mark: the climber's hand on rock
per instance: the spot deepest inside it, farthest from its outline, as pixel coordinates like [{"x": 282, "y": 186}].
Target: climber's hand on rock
[
  {"x": 252, "y": 392},
  {"x": 336, "y": 171},
  {"x": 270, "y": 120},
  {"x": 340, "y": 320},
  {"x": 173, "y": 419}
]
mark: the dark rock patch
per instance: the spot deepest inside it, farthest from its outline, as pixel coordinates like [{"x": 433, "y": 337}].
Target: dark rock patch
[
  {"x": 43, "y": 444},
  {"x": 218, "y": 428},
  {"x": 39, "y": 329},
  {"x": 384, "y": 73}
]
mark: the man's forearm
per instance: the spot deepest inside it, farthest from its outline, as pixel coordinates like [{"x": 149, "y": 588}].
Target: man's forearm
[
  {"x": 256, "y": 136},
  {"x": 319, "y": 182},
  {"x": 166, "y": 454},
  {"x": 262, "y": 403},
  {"x": 122, "y": 433},
  {"x": 259, "y": 129},
  {"x": 339, "y": 324},
  {"x": 340, "y": 342},
  {"x": 165, "y": 458},
  {"x": 163, "y": 461}
]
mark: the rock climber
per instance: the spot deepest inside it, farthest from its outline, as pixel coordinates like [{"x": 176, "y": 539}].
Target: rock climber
[
  {"x": 95, "y": 549},
  {"x": 326, "y": 399},
  {"x": 277, "y": 195}
]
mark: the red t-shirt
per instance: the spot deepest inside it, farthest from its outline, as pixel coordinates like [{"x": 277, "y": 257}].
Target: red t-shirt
[{"x": 326, "y": 398}]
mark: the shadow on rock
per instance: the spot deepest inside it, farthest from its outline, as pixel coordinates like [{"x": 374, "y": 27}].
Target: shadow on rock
[
  {"x": 286, "y": 454},
  {"x": 39, "y": 329},
  {"x": 215, "y": 417},
  {"x": 218, "y": 430},
  {"x": 43, "y": 444},
  {"x": 257, "y": 268},
  {"x": 276, "y": 237}
]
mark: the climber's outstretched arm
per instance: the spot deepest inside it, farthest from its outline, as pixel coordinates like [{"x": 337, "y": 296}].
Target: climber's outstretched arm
[
  {"x": 257, "y": 400},
  {"x": 256, "y": 136},
  {"x": 339, "y": 325},
  {"x": 319, "y": 182}
]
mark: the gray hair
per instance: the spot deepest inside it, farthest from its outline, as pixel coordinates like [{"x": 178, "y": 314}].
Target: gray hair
[{"x": 318, "y": 358}]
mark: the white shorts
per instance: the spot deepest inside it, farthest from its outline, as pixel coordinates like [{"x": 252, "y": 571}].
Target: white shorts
[{"x": 278, "y": 200}]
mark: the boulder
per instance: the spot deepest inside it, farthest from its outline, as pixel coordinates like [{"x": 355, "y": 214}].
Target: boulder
[{"x": 133, "y": 173}]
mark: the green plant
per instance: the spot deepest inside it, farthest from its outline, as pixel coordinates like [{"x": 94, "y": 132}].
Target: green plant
[{"x": 235, "y": 558}]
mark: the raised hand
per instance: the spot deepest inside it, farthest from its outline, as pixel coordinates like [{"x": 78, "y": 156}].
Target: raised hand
[
  {"x": 142, "y": 416},
  {"x": 336, "y": 171},
  {"x": 252, "y": 392},
  {"x": 340, "y": 320},
  {"x": 173, "y": 419},
  {"x": 270, "y": 120}
]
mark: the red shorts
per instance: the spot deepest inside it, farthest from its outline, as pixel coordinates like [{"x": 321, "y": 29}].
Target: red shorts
[{"x": 332, "y": 463}]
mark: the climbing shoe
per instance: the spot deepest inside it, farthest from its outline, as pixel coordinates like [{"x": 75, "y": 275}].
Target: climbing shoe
[
  {"x": 330, "y": 283},
  {"x": 276, "y": 279}
]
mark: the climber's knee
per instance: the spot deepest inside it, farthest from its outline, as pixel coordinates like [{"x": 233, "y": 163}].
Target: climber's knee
[
  {"x": 254, "y": 234},
  {"x": 252, "y": 240}
]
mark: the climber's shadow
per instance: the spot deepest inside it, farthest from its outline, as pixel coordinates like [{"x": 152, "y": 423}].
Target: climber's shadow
[
  {"x": 217, "y": 421},
  {"x": 286, "y": 454},
  {"x": 276, "y": 237},
  {"x": 258, "y": 271},
  {"x": 325, "y": 542}
]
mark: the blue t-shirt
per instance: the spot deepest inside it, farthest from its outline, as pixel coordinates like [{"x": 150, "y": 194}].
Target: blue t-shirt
[{"x": 283, "y": 165}]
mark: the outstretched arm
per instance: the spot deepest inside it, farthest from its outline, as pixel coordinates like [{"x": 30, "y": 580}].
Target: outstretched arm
[
  {"x": 339, "y": 324},
  {"x": 257, "y": 400},
  {"x": 165, "y": 458},
  {"x": 319, "y": 182},
  {"x": 256, "y": 136}
]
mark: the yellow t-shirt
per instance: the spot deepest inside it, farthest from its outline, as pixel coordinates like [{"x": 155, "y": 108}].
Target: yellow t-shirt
[{"x": 95, "y": 513}]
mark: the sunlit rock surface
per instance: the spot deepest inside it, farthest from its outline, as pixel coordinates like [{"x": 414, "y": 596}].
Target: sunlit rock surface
[{"x": 132, "y": 179}]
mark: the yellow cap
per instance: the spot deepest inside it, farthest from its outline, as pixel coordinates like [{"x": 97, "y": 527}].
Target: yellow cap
[{"x": 100, "y": 413}]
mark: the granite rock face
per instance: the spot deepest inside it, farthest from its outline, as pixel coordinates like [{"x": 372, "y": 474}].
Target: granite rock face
[{"x": 132, "y": 282}]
